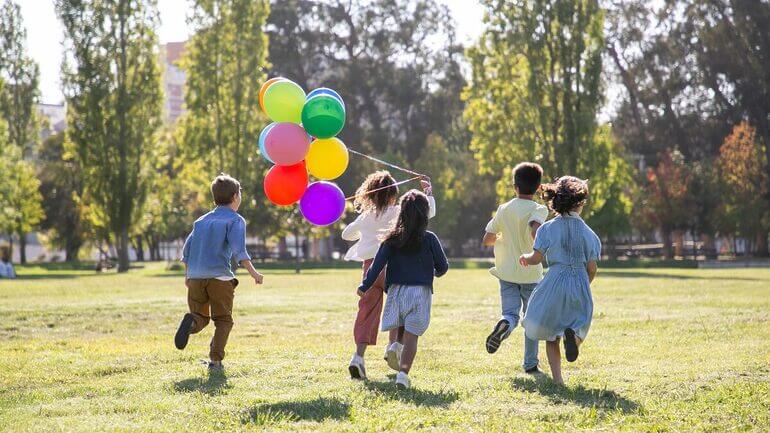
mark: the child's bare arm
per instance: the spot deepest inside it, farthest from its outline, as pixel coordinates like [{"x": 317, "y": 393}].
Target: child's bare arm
[
  {"x": 258, "y": 278},
  {"x": 533, "y": 226},
  {"x": 489, "y": 239},
  {"x": 592, "y": 269},
  {"x": 533, "y": 258}
]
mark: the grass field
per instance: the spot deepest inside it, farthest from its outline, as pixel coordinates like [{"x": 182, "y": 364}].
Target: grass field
[{"x": 669, "y": 350}]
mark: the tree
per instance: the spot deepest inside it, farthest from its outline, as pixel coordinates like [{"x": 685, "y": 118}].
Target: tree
[
  {"x": 731, "y": 43},
  {"x": 19, "y": 195},
  {"x": 742, "y": 168},
  {"x": 61, "y": 185},
  {"x": 17, "y": 102},
  {"x": 112, "y": 86},
  {"x": 666, "y": 203},
  {"x": 535, "y": 93},
  {"x": 225, "y": 62}
]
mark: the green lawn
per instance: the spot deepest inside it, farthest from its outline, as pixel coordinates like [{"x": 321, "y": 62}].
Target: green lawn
[{"x": 669, "y": 350}]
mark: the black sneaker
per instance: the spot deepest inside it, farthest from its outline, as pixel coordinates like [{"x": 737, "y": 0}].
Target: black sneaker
[
  {"x": 570, "y": 345},
  {"x": 183, "y": 333},
  {"x": 533, "y": 370},
  {"x": 497, "y": 335}
]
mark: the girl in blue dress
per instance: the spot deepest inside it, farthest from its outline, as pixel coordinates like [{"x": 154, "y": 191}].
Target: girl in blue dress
[{"x": 561, "y": 305}]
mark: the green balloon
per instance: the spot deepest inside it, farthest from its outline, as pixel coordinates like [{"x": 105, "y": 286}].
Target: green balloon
[
  {"x": 323, "y": 116},
  {"x": 283, "y": 101}
]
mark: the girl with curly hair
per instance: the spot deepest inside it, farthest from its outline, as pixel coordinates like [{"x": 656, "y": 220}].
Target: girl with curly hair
[
  {"x": 376, "y": 203},
  {"x": 561, "y": 306}
]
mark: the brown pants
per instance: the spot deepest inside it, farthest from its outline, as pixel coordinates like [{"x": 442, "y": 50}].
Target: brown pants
[{"x": 212, "y": 299}]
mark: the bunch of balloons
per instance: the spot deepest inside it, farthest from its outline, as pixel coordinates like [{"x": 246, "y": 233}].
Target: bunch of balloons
[{"x": 300, "y": 142}]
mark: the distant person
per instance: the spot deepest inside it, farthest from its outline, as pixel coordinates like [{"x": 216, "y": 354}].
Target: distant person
[
  {"x": 562, "y": 306},
  {"x": 216, "y": 238},
  {"x": 413, "y": 256},
  {"x": 376, "y": 202},
  {"x": 6, "y": 267},
  {"x": 511, "y": 232}
]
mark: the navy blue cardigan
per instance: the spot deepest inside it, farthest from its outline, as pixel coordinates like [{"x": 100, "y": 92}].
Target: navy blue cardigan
[{"x": 416, "y": 268}]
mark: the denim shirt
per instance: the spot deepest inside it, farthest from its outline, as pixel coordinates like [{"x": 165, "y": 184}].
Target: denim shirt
[{"x": 216, "y": 238}]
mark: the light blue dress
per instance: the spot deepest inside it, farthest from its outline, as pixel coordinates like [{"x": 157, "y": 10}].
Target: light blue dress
[{"x": 563, "y": 298}]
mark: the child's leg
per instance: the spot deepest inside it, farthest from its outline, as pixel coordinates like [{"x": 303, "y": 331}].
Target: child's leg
[
  {"x": 554, "y": 360},
  {"x": 396, "y": 335},
  {"x": 221, "y": 294},
  {"x": 410, "y": 350},
  {"x": 530, "y": 346},
  {"x": 198, "y": 302},
  {"x": 367, "y": 322}
]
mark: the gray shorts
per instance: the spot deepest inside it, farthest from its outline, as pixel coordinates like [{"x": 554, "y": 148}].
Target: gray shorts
[{"x": 407, "y": 306}]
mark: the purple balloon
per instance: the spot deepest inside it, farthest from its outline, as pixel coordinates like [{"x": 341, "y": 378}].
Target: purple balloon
[{"x": 323, "y": 203}]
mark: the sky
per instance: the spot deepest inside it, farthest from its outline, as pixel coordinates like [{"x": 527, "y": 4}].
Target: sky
[{"x": 44, "y": 34}]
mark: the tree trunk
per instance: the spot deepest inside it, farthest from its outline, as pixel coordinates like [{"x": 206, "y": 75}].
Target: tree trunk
[
  {"x": 139, "y": 246},
  {"x": 71, "y": 251},
  {"x": 762, "y": 250},
  {"x": 22, "y": 248},
  {"x": 122, "y": 250},
  {"x": 296, "y": 253},
  {"x": 668, "y": 244}
]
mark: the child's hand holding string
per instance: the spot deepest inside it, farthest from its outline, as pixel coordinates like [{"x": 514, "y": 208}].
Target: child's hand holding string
[{"x": 426, "y": 186}]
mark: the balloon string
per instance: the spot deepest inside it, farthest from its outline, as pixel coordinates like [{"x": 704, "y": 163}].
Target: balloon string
[
  {"x": 384, "y": 187},
  {"x": 385, "y": 163}
]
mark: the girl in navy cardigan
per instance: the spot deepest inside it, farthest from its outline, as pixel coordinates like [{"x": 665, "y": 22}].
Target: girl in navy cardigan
[{"x": 413, "y": 257}]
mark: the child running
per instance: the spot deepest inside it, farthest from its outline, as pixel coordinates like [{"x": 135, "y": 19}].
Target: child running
[
  {"x": 413, "y": 256},
  {"x": 561, "y": 306},
  {"x": 216, "y": 238},
  {"x": 376, "y": 202},
  {"x": 512, "y": 231}
]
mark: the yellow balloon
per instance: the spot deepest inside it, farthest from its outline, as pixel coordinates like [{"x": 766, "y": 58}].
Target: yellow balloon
[{"x": 327, "y": 158}]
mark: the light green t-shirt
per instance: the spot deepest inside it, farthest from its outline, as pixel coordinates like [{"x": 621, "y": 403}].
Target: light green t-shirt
[{"x": 512, "y": 222}]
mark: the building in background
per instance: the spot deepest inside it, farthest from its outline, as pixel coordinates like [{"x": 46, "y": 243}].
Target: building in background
[
  {"x": 173, "y": 80},
  {"x": 54, "y": 118}
]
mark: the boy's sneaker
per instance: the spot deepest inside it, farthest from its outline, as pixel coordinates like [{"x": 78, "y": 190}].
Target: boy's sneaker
[
  {"x": 570, "y": 345},
  {"x": 216, "y": 367},
  {"x": 393, "y": 355},
  {"x": 356, "y": 368},
  {"x": 183, "y": 333},
  {"x": 497, "y": 336},
  {"x": 402, "y": 380},
  {"x": 533, "y": 370}
]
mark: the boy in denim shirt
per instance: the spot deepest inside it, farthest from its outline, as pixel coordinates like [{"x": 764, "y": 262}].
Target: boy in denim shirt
[
  {"x": 512, "y": 232},
  {"x": 216, "y": 238}
]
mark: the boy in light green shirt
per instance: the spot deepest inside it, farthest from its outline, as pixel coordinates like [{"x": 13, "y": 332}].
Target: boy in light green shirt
[{"x": 512, "y": 232}]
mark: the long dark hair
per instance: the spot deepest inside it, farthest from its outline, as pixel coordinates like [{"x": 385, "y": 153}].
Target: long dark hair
[
  {"x": 566, "y": 194},
  {"x": 381, "y": 198},
  {"x": 411, "y": 224}
]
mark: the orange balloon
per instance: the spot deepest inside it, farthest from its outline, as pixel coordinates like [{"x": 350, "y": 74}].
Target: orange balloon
[{"x": 263, "y": 89}]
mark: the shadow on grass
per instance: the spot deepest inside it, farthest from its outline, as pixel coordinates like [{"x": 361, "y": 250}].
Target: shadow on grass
[
  {"x": 415, "y": 396},
  {"x": 580, "y": 395},
  {"x": 642, "y": 274},
  {"x": 215, "y": 383},
  {"x": 316, "y": 410}
]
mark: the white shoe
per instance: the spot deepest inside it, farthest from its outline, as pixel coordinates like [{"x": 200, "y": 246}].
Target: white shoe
[
  {"x": 356, "y": 368},
  {"x": 402, "y": 381},
  {"x": 393, "y": 355}
]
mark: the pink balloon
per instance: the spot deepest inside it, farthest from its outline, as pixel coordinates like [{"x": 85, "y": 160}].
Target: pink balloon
[{"x": 287, "y": 143}]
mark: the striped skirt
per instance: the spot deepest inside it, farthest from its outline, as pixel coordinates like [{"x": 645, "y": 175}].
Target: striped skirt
[{"x": 407, "y": 306}]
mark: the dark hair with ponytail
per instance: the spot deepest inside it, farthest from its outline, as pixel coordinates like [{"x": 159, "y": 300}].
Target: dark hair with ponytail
[
  {"x": 412, "y": 222},
  {"x": 566, "y": 194}
]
